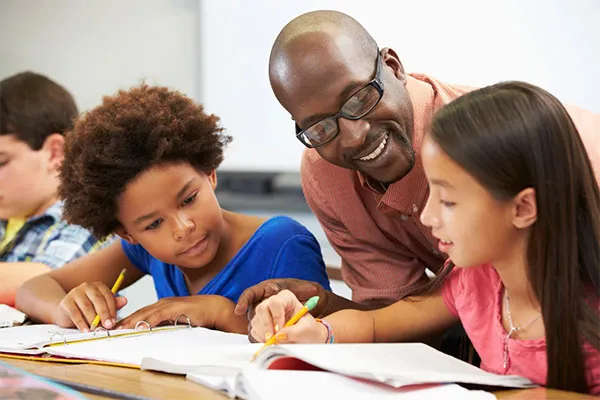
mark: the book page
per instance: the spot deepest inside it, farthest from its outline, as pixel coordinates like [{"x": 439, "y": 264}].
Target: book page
[
  {"x": 255, "y": 384},
  {"x": 10, "y": 316},
  {"x": 395, "y": 364},
  {"x": 164, "y": 344},
  {"x": 31, "y": 337}
]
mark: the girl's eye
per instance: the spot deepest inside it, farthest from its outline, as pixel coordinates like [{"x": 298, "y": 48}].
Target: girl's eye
[
  {"x": 190, "y": 199},
  {"x": 447, "y": 203},
  {"x": 154, "y": 225}
]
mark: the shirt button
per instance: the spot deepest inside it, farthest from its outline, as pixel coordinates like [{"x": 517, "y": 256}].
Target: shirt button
[
  {"x": 403, "y": 217},
  {"x": 415, "y": 208}
]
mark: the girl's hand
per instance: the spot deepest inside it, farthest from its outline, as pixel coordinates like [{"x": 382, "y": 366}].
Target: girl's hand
[
  {"x": 209, "y": 311},
  {"x": 272, "y": 314},
  {"x": 81, "y": 305}
]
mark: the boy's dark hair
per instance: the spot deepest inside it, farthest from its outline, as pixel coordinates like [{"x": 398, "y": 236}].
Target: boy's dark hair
[
  {"x": 126, "y": 135},
  {"x": 32, "y": 107}
]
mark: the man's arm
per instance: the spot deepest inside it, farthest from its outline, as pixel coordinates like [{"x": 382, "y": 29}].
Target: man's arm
[
  {"x": 329, "y": 302},
  {"x": 14, "y": 274}
]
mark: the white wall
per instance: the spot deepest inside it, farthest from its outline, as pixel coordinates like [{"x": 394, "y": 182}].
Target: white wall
[
  {"x": 551, "y": 43},
  {"x": 94, "y": 48},
  {"x": 216, "y": 51}
]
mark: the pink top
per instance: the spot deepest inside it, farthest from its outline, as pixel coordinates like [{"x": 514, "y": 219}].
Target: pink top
[{"x": 475, "y": 296}]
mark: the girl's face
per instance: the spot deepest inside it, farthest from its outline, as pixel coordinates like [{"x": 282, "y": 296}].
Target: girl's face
[
  {"x": 171, "y": 210},
  {"x": 472, "y": 227}
]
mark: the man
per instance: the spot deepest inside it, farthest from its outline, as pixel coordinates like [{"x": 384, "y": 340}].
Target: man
[
  {"x": 365, "y": 119},
  {"x": 34, "y": 113}
]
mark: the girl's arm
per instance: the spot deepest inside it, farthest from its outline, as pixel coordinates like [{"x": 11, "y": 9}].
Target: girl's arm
[
  {"x": 406, "y": 320},
  {"x": 91, "y": 275}
]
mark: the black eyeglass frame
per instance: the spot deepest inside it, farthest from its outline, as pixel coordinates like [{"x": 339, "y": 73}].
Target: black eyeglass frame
[{"x": 375, "y": 82}]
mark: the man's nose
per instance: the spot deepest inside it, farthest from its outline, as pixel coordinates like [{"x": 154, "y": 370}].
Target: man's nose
[{"x": 353, "y": 134}]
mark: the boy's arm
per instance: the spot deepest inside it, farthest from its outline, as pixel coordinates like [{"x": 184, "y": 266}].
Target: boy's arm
[
  {"x": 14, "y": 274},
  {"x": 39, "y": 297}
]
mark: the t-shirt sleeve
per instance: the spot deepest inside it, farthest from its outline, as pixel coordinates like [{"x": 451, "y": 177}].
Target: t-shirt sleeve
[
  {"x": 300, "y": 257},
  {"x": 137, "y": 255},
  {"x": 450, "y": 289}
]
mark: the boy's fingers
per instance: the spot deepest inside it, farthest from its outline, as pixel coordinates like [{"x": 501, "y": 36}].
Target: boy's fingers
[
  {"x": 120, "y": 302},
  {"x": 86, "y": 307},
  {"x": 99, "y": 304},
  {"x": 76, "y": 316},
  {"x": 109, "y": 299}
]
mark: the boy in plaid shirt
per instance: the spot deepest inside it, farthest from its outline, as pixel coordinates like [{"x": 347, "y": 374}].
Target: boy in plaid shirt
[{"x": 34, "y": 114}]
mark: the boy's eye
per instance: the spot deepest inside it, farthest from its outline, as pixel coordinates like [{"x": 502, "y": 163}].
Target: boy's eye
[
  {"x": 3, "y": 163},
  {"x": 447, "y": 203},
  {"x": 190, "y": 199},
  {"x": 154, "y": 225}
]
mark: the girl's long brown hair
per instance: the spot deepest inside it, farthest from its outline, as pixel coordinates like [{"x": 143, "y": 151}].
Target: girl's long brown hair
[{"x": 512, "y": 136}]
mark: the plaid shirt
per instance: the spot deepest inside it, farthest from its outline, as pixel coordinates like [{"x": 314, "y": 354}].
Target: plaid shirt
[{"x": 48, "y": 239}]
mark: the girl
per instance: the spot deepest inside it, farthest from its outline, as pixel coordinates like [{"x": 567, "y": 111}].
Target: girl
[
  {"x": 142, "y": 165},
  {"x": 514, "y": 203}
]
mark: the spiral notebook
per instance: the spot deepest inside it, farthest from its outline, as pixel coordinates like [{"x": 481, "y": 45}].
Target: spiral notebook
[{"x": 125, "y": 348}]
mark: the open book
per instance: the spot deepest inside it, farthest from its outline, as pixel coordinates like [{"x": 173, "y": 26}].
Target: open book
[
  {"x": 256, "y": 384},
  {"x": 10, "y": 316}
]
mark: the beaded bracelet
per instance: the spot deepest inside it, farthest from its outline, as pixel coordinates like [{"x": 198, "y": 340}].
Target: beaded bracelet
[{"x": 330, "y": 337}]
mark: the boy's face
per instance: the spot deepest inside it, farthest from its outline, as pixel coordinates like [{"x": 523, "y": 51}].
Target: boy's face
[
  {"x": 28, "y": 178},
  {"x": 171, "y": 210}
]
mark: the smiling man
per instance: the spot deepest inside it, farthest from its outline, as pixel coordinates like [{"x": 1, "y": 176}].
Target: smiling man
[{"x": 363, "y": 119}]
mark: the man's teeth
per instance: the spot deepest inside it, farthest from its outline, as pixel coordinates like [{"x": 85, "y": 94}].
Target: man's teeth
[{"x": 377, "y": 151}]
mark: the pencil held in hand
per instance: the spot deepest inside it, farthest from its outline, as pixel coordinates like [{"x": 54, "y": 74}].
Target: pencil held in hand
[
  {"x": 308, "y": 306},
  {"x": 114, "y": 290}
]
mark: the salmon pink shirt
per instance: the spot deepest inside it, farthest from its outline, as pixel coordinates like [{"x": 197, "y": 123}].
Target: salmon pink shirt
[{"x": 475, "y": 296}]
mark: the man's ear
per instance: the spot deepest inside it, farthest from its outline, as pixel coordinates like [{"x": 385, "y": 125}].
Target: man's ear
[
  {"x": 54, "y": 146},
  {"x": 212, "y": 178},
  {"x": 391, "y": 59},
  {"x": 525, "y": 209},
  {"x": 125, "y": 235}
]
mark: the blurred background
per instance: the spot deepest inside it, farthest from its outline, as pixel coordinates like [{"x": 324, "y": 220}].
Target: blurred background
[{"x": 217, "y": 52}]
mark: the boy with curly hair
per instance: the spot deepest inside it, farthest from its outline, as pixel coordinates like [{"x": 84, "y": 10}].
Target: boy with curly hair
[
  {"x": 34, "y": 238},
  {"x": 142, "y": 165}
]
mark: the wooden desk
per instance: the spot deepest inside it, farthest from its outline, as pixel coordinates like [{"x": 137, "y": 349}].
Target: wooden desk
[{"x": 157, "y": 385}]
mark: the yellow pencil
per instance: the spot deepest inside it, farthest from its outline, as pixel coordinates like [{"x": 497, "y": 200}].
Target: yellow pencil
[
  {"x": 308, "y": 306},
  {"x": 114, "y": 290}
]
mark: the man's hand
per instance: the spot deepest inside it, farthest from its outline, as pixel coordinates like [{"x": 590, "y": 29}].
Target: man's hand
[
  {"x": 303, "y": 290},
  {"x": 209, "y": 311}
]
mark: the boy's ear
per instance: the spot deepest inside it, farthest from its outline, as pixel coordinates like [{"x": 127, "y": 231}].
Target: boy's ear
[
  {"x": 125, "y": 235},
  {"x": 525, "y": 210},
  {"x": 54, "y": 146},
  {"x": 212, "y": 178}
]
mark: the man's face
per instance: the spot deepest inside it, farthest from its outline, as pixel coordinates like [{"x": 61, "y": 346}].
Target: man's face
[
  {"x": 314, "y": 85},
  {"x": 27, "y": 177}
]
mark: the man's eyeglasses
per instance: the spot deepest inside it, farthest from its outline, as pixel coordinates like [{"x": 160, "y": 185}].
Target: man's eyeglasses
[{"x": 356, "y": 107}]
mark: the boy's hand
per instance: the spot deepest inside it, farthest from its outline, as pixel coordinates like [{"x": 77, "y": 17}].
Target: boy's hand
[
  {"x": 272, "y": 314},
  {"x": 209, "y": 311},
  {"x": 80, "y": 306}
]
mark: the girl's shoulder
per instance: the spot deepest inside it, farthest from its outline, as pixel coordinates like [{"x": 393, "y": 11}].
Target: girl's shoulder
[{"x": 480, "y": 276}]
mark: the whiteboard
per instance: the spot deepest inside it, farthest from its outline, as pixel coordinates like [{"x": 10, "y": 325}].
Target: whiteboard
[{"x": 551, "y": 43}]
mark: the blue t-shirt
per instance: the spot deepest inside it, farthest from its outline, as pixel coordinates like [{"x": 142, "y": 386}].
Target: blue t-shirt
[{"x": 280, "y": 248}]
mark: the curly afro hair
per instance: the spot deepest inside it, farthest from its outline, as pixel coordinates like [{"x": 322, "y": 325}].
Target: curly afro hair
[{"x": 126, "y": 135}]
